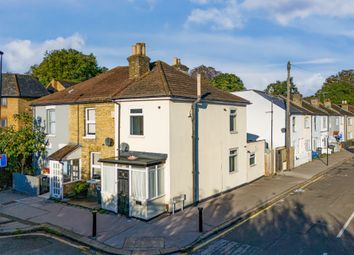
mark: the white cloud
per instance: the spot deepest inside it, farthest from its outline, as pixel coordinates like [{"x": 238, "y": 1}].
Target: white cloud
[
  {"x": 21, "y": 54},
  {"x": 283, "y": 11},
  {"x": 227, "y": 17}
]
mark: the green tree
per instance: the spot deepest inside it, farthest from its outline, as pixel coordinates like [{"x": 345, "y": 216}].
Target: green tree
[
  {"x": 68, "y": 65},
  {"x": 280, "y": 88},
  {"x": 207, "y": 72},
  {"x": 228, "y": 82},
  {"x": 338, "y": 87},
  {"x": 23, "y": 145}
]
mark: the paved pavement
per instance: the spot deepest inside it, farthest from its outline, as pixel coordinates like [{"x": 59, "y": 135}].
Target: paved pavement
[
  {"x": 165, "y": 233},
  {"x": 309, "y": 221},
  {"x": 37, "y": 245}
]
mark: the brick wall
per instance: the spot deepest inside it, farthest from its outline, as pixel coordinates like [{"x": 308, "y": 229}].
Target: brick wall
[
  {"x": 14, "y": 106},
  {"x": 104, "y": 128}
]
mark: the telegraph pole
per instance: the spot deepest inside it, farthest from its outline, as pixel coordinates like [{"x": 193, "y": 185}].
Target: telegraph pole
[
  {"x": 1, "y": 53},
  {"x": 287, "y": 138}
]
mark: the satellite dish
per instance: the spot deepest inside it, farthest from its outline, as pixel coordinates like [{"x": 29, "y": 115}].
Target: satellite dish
[
  {"x": 109, "y": 141},
  {"x": 124, "y": 147}
]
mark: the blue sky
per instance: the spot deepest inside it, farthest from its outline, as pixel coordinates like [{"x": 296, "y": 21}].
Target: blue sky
[{"x": 251, "y": 38}]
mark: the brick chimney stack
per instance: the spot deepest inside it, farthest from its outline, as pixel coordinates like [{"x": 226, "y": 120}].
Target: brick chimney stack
[
  {"x": 327, "y": 103},
  {"x": 315, "y": 102},
  {"x": 345, "y": 105},
  {"x": 297, "y": 99},
  {"x": 139, "y": 63},
  {"x": 178, "y": 65}
]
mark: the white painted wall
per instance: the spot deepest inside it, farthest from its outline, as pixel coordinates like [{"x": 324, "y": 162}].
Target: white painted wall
[
  {"x": 168, "y": 129},
  {"x": 259, "y": 118},
  {"x": 300, "y": 136},
  {"x": 255, "y": 171}
]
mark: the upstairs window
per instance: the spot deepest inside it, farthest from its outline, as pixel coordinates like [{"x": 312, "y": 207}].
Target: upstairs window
[
  {"x": 3, "y": 123},
  {"x": 51, "y": 125},
  {"x": 4, "y": 102},
  {"x": 294, "y": 124},
  {"x": 350, "y": 121},
  {"x": 233, "y": 161},
  {"x": 90, "y": 121},
  {"x": 136, "y": 122},
  {"x": 324, "y": 122},
  {"x": 233, "y": 115},
  {"x": 307, "y": 122},
  {"x": 315, "y": 123}
]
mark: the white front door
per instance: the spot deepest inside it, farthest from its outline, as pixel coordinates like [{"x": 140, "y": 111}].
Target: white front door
[
  {"x": 56, "y": 179},
  {"x": 109, "y": 192}
]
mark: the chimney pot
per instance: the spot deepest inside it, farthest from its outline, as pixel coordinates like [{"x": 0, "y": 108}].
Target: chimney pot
[
  {"x": 139, "y": 63},
  {"x": 297, "y": 99},
  {"x": 327, "y": 103},
  {"x": 315, "y": 102}
]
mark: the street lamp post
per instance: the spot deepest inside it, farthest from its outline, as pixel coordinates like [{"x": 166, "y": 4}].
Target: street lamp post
[{"x": 1, "y": 53}]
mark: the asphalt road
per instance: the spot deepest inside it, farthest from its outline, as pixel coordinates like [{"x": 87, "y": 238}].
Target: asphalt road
[
  {"x": 36, "y": 245},
  {"x": 316, "y": 220}
]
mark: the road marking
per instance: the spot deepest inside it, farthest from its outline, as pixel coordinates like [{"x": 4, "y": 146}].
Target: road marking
[
  {"x": 272, "y": 202},
  {"x": 345, "y": 226}
]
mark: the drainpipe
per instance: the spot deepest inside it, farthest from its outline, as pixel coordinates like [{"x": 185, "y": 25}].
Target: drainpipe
[
  {"x": 118, "y": 125},
  {"x": 195, "y": 138}
]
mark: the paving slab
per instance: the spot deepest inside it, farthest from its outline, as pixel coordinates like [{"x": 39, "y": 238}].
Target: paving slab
[{"x": 22, "y": 211}]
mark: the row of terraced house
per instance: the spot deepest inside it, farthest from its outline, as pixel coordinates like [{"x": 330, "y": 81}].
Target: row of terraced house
[{"x": 154, "y": 139}]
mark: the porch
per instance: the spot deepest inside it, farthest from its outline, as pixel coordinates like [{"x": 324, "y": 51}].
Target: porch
[{"x": 133, "y": 184}]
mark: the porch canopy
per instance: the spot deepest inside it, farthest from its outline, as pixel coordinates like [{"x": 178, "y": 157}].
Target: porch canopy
[
  {"x": 65, "y": 152},
  {"x": 137, "y": 158}
]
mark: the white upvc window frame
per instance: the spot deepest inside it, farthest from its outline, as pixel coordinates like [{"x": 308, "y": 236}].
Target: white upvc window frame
[
  {"x": 233, "y": 153},
  {"x": 51, "y": 123},
  {"x": 233, "y": 121},
  {"x": 136, "y": 114},
  {"x": 252, "y": 155},
  {"x": 307, "y": 122},
  {"x": 94, "y": 166},
  {"x": 350, "y": 121},
  {"x": 89, "y": 122}
]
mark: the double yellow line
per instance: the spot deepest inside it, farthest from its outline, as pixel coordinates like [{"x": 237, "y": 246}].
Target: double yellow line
[{"x": 276, "y": 199}]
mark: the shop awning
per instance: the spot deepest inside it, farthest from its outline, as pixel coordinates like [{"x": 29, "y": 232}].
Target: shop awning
[{"x": 137, "y": 158}]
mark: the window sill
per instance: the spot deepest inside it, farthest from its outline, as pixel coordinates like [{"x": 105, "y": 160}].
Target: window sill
[
  {"x": 136, "y": 136},
  {"x": 233, "y": 172},
  {"x": 155, "y": 198},
  {"x": 253, "y": 165},
  {"x": 89, "y": 137},
  {"x": 233, "y": 132},
  {"x": 51, "y": 136}
]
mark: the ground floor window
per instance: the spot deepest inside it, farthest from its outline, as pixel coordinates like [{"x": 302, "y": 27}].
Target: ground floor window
[
  {"x": 95, "y": 165},
  {"x": 252, "y": 160},
  {"x": 147, "y": 183},
  {"x": 233, "y": 161},
  {"x": 71, "y": 170}
]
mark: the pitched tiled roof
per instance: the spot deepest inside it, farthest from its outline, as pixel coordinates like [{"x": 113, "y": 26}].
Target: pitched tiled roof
[
  {"x": 63, "y": 152},
  {"x": 279, "y": 101},
  {"x": 165, "y": 80},
  {"x": 22, "y": 86},
  {"x": 97, "y": 89},
  {"x": 67, "y": 84},
  {"x": 342, "y": 111},
  {"x": 330, "y": 110},
  {"x": 162, "y": 80},
  {"x": 315, "y": 110}
]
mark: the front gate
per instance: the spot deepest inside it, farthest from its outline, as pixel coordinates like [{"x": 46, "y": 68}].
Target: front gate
[
  {"x": 123, "y": 192},
  {"x": 56, "y": 179}
]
